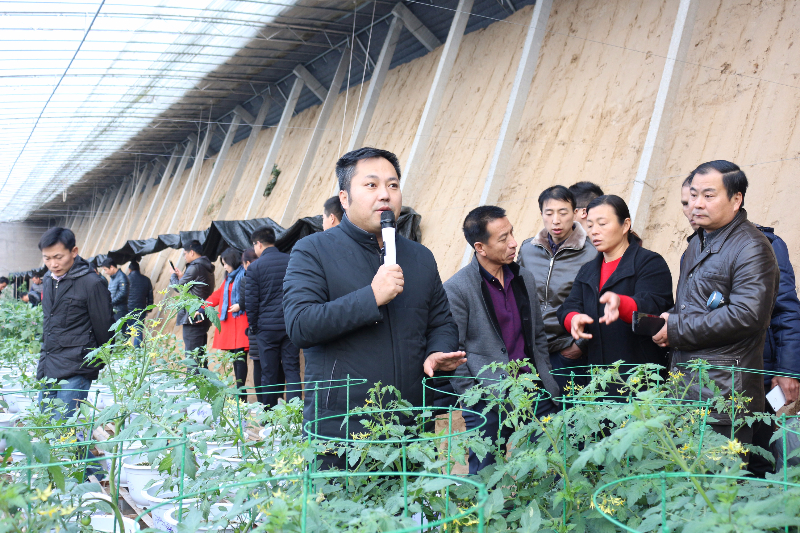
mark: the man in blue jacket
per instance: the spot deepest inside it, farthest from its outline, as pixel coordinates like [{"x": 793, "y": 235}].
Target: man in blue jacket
[
  {"x": 355, "y": 316},
  {"x": 118, "y": 287}
]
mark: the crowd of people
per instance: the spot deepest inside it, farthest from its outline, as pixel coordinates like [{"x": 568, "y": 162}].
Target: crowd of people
[{"x": 583, "y": 291}]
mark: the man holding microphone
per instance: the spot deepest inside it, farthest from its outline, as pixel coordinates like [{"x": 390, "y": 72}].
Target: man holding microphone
[{"x": 355, "y": 316}]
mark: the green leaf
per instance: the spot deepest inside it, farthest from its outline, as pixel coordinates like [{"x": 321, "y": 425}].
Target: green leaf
[
  {"x": 58, "y": 476},
  {"x": 531, "y": 519}
]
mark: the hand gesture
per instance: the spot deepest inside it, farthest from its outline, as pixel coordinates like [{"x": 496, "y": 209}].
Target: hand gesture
[
  {"x": 660, "y": 338},
  {"x": 234, "y": 308},
  {"x": 387, "y": 284},
  {"x": 579, "y": 322},
  {"x": 443, "y": 361},
  {"x": 612, "y": 301}
]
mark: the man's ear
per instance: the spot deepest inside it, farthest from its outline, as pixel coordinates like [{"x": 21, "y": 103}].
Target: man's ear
[
  {"x": 479, "y": 249},
  {"x": 738, "y": 200},
  {"x": 344, "y": 199},
  {"x": 74, "y": 252}
]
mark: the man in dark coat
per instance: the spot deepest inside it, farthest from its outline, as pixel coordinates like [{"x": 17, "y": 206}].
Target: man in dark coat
[
  {"x": 118, "y": 287},
  {"x": 356, "y": 317},
  {"x": 77, "y": 317},
  {"x": 494, "y": 304},
  {"x": 264, "y": 304},
  {"x": 730, "y": 256},
  {"x": 140, "y": 296},
  {"x": 195, "y": 329},
  {"x": 554, "y": 257}
]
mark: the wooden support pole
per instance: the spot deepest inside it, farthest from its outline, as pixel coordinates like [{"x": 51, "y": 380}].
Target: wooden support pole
[
  {"x": 446, "y": 61},
  {"x": 136, "y": 217},
  {"x": 416, "y": 27},
  {"x": 173, "y": 185},
  {"x": 109, "y": 220},
  {"x": 653, "y": 157},
  {"x": 274, "y": 147},
  {"x": 498, "y": 168},
  {"x": 122, "y": 227},
  {"x": 105, "y": 205},
  {"x": 376, "y": 84},
  {"x": 211, "y": 183},
  {"x": 255, "y": 129},
  {"x": 159, "y": 193},
  {"x": 311, "y": 82},
  {"x": 316, "y": 138}
]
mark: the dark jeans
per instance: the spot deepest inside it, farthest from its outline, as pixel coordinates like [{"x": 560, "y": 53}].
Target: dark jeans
[
  {"x": 278, "y": 353},
  {"x": 491, "y": 428},
  {"x": 240, "y": 372},
  {"x": 196, "y": 336}
]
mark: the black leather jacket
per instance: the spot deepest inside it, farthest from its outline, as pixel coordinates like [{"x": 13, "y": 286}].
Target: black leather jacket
[{"x": 740, "y": 264}]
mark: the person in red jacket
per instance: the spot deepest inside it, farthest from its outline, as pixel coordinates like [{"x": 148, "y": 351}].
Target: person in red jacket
[{"x": 232, "y": 336}]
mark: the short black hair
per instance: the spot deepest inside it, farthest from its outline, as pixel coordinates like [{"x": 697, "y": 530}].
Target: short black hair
[
  {"x": 556, "y": 192},
  {"x": 264, "y": 235},
  {"x": 134, "y": 265},
  {"x": 55, "y": 235},
  {"x": 194, "y": 246},
  {"x": 620, "y": 209},
  {"x": 232, "y": 257},
  {"x": 20, "y": 295},
  {"x": 477, "y": 220},
  {"x": 688, "y": 181},
  {"x": 4, "y": 279},
  {"x": 346, "y": 165},
  {"x": 333, "y": 206},
  {"x": 109, "y": 263},
  {"x": 249, "y": 255},
  {"x": 585, "y": 192},
  {"x": 733, "y": 177}
]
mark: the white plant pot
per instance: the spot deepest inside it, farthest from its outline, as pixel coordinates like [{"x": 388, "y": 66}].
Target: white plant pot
[
  {"x": 155, "y": 496},
  {"x": 123, "y": 474},
  {"x": 106, "y": 524},
  {"x": 199, "y": 411},
  {"x": 138, "y": 476},
  {"x": 217, "y": 511},
  {"x": 7, "y": 420},
  {"x": 211, "y": 446}
]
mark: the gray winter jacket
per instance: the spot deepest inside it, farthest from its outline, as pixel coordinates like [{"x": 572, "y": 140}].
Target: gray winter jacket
[
  {"x": 479, "y": 334},
  {"x": 118, "y": 287},
  {"x": 554, "y": 277},
  {"x": 200, "y": 270},
  {"x": 740, "y": 264}
]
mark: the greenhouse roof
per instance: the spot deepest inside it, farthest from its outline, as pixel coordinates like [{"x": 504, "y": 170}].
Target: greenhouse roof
[{"x": 92, "y": 90}]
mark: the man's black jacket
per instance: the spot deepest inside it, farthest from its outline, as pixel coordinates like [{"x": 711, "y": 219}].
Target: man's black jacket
[
  {"x": 641, "y": 274},
  {"x": 140, "y": 291},
  {"x": 200, "y": 270},
  {"x": 77, "y": 315},
  {"x": 264, "y": 291},
  {"x": 332, "y": 314}
]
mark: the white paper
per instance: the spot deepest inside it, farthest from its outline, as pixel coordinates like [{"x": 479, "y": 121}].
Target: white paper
[{"x": 776, "y": 398}]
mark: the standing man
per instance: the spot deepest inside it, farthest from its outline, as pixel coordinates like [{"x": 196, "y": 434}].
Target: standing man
[
  {"x": 357, "y": 317},
  {"x": 555, "y": 256},
  {"x": 584, "y": 192},
  {"x": 3, "y": 283},
  {"x": 730, "y": 256},
  {"x": 332, "y": 213},
  {"x": 494, "y": 304},
  {"x": 264, "y": 303},
  {"x": 195, "y": 329},
  {"x": 118, "y": 287},
  {"x": 140, "y": 296},
  {"x": 77, "y": 317}
]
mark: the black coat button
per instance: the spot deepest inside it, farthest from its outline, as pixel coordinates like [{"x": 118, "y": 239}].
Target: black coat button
[{"x": 503, "y": 350}]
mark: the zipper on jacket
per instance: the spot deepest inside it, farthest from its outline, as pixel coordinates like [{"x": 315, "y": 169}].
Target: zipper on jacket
[
  {"x": 547, "y": 283},
  {"x": 328, "y": 397}
]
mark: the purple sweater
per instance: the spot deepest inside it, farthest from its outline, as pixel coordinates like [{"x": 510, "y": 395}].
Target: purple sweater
[{"x": 507, "y": 312}]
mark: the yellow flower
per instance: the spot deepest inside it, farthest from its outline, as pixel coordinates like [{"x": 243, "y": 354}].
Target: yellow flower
[
  {"x": 547, "y": 419},
  {"x": 360, "y": 436},
  {"x": 734, "y": 446},
  {"x": 320, "y": 497},
  {"x": 44, "y": 494}
]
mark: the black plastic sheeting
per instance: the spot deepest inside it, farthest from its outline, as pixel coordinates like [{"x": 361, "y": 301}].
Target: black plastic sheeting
[{"x": 235, "y": 234}]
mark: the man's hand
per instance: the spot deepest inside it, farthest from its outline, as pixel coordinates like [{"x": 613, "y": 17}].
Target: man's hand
[
  {"x": 387, "y": 284},
  {"x": 579, "y": 322},
  {"x": 178, "y": 273},
  {"x": 443, "y": 361},
  {"x": 612, "y": 301},
  {"x": 572, "y": 351},
  {"x": 660, "y": 338},
  {"x": 789, "y": 386}
]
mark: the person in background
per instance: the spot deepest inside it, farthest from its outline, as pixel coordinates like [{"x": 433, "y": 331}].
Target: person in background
[
  {"x": 622, "y": 279},
  {"x": 687, "y": 204},
  {"x": 232, "y": 336},
  {"x": 99, "y": 275},
  {"x": 264, "y": 302},
  {"x": 199, "y": 269},
  {"x": 332, "y": 213},
  {"x": 584, "y": 192},
  {"x": 36, "y": 286},
  {"x": 30, "y": 298},
  {"x": 248, "y": 256},
  {"x": 555, "y": 256},
  {"x": 3, "y": 283},
  {"x": 140, "y": 296},
  {"x": 76, "y": 308},
  {"x": 494, "y": 304},
  {"x": 731, "y": 256},
  {"x": 118, "y": 287}
]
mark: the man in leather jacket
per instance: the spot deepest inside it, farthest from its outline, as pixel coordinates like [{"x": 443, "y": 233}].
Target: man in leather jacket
[
  {"x": 200, "y": 269},
  {"x": 729, "y": 255}
]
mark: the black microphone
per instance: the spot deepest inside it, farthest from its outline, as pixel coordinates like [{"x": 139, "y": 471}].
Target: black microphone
[{"x": 388, "y": 233}]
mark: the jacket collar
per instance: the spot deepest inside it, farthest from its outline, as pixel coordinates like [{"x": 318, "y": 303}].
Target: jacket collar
[
  {"x": 475, "y": 267},
  {"x": 359, "y": 235},
  {"x": 79, "y": 268},
  {"x": 719, "y": 240},
  {"x": 576, "y": 241},
  {"x": 625, "y": 269}
]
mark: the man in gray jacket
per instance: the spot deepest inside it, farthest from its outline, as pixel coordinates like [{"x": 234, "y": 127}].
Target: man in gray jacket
[
  {"x": 555, "y": 255},
  {"x": 118, "y": 287},
  {"x": 729, "y": 256},
  {"x": 493, "y": 301}
]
